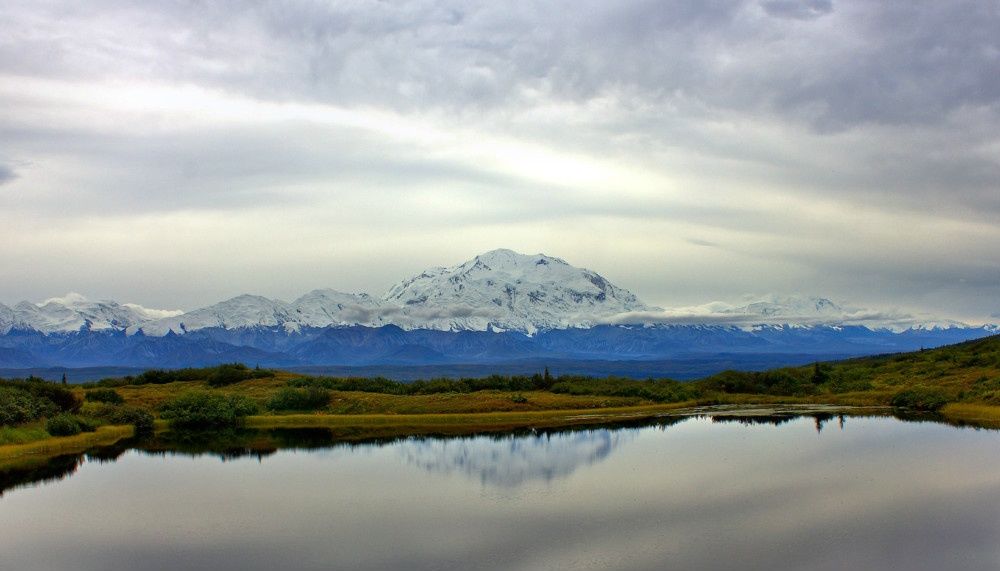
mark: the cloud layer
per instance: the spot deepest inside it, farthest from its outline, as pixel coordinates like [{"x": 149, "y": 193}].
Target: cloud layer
[{"x": 180, "y": 152}]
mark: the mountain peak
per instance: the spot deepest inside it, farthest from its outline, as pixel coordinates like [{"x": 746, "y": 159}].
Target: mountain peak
[
  {"x": 506, "y": 290},
  {"x": 71, "y": 298},
  {"x": 503, "y": 257}
]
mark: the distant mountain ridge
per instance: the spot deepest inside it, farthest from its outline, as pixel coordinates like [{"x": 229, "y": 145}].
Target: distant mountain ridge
[
  {"x": 499, "y": 307},
  {"x": 500, "y": 290},
  {"x": 74, "y": 312},
  {"x": 497, "y": 291},
  {"x": 714, "y": 346}
]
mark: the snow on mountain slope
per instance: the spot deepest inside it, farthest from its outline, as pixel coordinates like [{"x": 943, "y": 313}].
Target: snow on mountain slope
[
  {"x": 500, "y": 290},
  {"x": 800, "y": 311},
  {"x": 240, "y": 311},
  {"x": 74, "y": 312},
  {"x": 6, "y": 319},
  {"x": 506, "y": 290},
  {"x": 324, "y": 307},
  {"x": 796, "y": 307},
  {"x": 318, "y": 308}
]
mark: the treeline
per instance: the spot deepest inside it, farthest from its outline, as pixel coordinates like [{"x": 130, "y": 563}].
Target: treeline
[
  {"x": 663, "y": 390},
  {"x": 537, "y": 382},
  {"x": 218, "y": 376}
]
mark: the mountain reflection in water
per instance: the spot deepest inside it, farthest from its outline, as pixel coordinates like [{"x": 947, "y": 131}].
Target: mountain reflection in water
[
  {"x": 510, "y": 461},
  {"x": 505, "y": 460}
]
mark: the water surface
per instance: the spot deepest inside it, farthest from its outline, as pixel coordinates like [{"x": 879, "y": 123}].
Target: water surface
[{"x": 688, "y": 493}]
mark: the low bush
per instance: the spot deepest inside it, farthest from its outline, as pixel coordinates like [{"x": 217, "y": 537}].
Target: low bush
[
  {"x": 63, "y": 398},
  {"x": 217, "y": 376},
  {"x": 229, "y": 374},
  {"x": 655, "y": 390},
  {"x": 204, "y": 409},
  {"x": 19, "y": 406},
  {"x": 923, "y": 399},
  {"x": 783, "y": 382},
  {"x": 105, "y": 395},
  {"x": 514, "y": 383},
  {"x": 310, "y": 398},
  {"x": 63, "y": 425},
  {"x": 141, "y": 419}
]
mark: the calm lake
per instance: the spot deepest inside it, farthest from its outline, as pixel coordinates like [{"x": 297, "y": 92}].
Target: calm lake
[{"x": 682, "y": 493}]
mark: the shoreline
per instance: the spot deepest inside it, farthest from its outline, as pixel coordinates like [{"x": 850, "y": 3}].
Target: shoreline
[{"x": 360, "y": 426}]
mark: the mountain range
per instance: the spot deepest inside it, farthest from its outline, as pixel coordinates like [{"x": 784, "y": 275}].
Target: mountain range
[{"x": 500, "y": 306}]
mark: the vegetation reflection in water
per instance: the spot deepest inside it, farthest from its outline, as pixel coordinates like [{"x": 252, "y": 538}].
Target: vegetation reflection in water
[
  {"x": 529, "y": 453},
  {"x": 735, "y": 489},
  {"x": 504, "y": 459}
]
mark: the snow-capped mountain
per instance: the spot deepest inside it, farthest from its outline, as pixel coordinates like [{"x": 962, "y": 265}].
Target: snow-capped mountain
[
  {"x": 318, "y": 308},
  {"x": 504, "y": 290},
  {"x": 325, "y": 307},
  {"x": 74, "y": 312},
  {"x": 795, "y": 311},
  {"x": 498, "y": 307},
  {"x": 789, "y": 307},
  {"x": 500, "y": 290}
]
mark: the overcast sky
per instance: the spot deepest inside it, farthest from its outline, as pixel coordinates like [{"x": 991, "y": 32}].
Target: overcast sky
[{"x": 174, "y": 154}]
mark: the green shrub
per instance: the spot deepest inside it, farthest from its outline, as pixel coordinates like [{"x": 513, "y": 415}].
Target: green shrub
[
  {"x": 63, "y": 398},
  {"x": 518, "y": 398},
  {"x": 663, "y": 390},
  {"x": 229, "y": 374},
  {"x": 141, "y": 419},
  {"x": 222, "y": 375},
  {"x": 310, "y": 398},
  {"x": 924, "y": 399},
  {"x": 203, "y": 409},
  {"x": 63, "y": 425},
  {"x": 426, "y": 387},
  {"x": 19, "y": 406},
  {"x": 105, "y": 395},
  {"x": 87, "y": 424}
]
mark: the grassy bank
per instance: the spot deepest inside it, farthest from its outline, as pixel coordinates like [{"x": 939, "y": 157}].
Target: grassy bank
[{"x": 57, "y": 445}]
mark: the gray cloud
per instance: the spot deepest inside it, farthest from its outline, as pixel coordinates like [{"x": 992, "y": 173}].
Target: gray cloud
[
  {"x": 817, "y": 144},
  {"x": 7, "y": 174},
  {"x": 369, "y": 314},
  {"x": 706, "y": 243},
  {"x": 906, "y": 61},
  {"x": 797, "y": 9}
]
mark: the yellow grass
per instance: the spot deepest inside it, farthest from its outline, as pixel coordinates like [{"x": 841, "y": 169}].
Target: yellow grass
[
  {"x": 56, "y": 445},
  {"x": 151, "y": 397},
  {"x": 984, "y": 415},
  {"x": 368, "y": 426}
]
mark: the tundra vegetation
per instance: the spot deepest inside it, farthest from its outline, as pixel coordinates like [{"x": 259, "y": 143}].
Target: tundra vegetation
[{"x": 959, "y": 382}]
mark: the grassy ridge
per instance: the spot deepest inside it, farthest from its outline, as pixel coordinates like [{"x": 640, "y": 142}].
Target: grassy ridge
[{"x": 968, "y": 372}]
